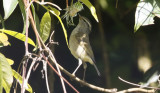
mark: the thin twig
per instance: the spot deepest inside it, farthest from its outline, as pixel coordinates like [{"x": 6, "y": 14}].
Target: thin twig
[
  {"x": 116, "y": 3},
  {"x": 66, "y": 3},
  {"x": 136, "y": 84},
  {"x": 46, "y": 77},
  {"x": 26, "y": 51},
  {"x": 53, "y": 58},
  {"x": 24, "y": 73},
  {"x": 60, "y": 75},
  {"x": 49, "y": 3},
  {"x": 30, "y": 68},
  {"x": 137, "y": 90}
]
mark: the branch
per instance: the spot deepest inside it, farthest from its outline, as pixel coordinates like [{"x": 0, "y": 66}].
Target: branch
[
  {"x": 137, "y": 84},
  {"x": 137, "y": 90},
  {"x": 83, "y": 82},
  {"x": 60, "y": 75},
  {"x": 152, "y": 89},
  {"x": 114, "y": 90},
  {"x": 66, "y": 3}
]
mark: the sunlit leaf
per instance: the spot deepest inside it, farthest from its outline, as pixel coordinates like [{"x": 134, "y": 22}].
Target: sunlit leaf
[
  {"x": 4, "y": 39},
  {"x": 19, "y": 79},
  {"x": 145, "y": 12},
  {"x": 10, "y": 61},
  {"x": 17, "y": 35},
  {"x": 91, "y": 7},
  {"x": 1, "y": 78},
  {"x": 9, "y": 6},
  {"x": 45, "y": 26},
  {"x": 56, "y": 13},
  {"x": 7, "y": 77}
]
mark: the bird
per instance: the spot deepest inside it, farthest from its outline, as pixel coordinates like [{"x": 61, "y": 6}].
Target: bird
[{"x": 79, "y": 45}]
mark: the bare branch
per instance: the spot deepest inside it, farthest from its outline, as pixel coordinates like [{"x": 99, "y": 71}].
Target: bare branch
[
  {"x": 60, "y": 75},
  {"x": 137, "y": 90},
  {"x": 49, "y": 3},
  {"x": 136, "y": 84},
  {"x": 85, "y": 83}
]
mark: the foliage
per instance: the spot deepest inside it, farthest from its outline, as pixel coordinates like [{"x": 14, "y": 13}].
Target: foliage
[
  {"x": 145, "y": 12},
  {"x": 43, "y": 28}
]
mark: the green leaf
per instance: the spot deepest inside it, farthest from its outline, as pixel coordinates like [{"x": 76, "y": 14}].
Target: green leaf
[
  {"x": 19, "y": 79},
  {"x": 2, "y": 21},
  {"x": 1, "y": 78},
  {"x": 10, "y": 61},
  {"x": 4, "y": 39},
  {"x": 6, "y": 73},
  {"x": 36, "y": 19},
  {"x": 23, "y": 12},
  {"x": 45, "y": 26},
  {"x": 9, "y": 6},
  {"x": 17, "y": 35},
  {"x": 145, "y": 12},
  {"x": 91, "y": 7},
  {"x": 158, "y": 3},
  {"x": 57, "y": 13}
]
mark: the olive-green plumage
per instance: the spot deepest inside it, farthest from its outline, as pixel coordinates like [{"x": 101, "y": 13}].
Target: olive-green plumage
[{"x": 79, "y": 44}]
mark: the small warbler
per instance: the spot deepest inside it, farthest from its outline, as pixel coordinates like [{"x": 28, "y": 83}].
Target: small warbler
[{"x": 79, "y": 44}]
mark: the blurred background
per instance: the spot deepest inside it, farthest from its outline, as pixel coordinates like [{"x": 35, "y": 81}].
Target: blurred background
[{"x": 118, "y": 50}]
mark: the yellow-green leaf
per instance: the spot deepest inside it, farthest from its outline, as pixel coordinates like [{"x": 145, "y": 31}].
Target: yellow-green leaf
[
  {"x": 17, "y": 35},
  {"x": 1, "y": 78},
  {"x": 10, "y": 61},
  {"x": 91, "y": 7},
  {"x": 4, "y": 39},
  {"x": 56, "y": 13},
  {"x": 45, "y": 26},
  {"x": 19, "y": 79}
]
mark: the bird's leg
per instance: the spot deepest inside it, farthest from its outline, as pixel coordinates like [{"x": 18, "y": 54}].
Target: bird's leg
[
  {"x": 85, "y": 67},
  {"x": 79, "y": 64}
]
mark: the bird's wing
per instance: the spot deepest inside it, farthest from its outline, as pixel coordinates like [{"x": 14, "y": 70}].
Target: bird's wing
[{"x": 84, "y": 42}]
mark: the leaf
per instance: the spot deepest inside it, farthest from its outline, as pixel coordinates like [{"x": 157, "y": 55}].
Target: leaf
[
  {"x": 17, "y": 35},
  {"x": 23, "y": 12},
  {"x": 36, "y": 19},
  {"x": 10, "y": 61},
  {"x": 1, "y": 74},
  {"x": 91, "y": 7},
  {"x": 45, "y": 26},
  {"x": 158, "y": 3},
  {"x": 4, "y": 39},
  {"x": 19, "y": 79},
  {"x": 145, "y": 12},
  {"x": 2, "y": 21},
  {"x": 7, "y": 78},
  {"x": 57, "y": 13},
  {"x": 9, "y": 6}
]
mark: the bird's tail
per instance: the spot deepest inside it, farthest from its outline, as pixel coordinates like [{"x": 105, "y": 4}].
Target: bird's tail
[{"x": 99, "y": 74}]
